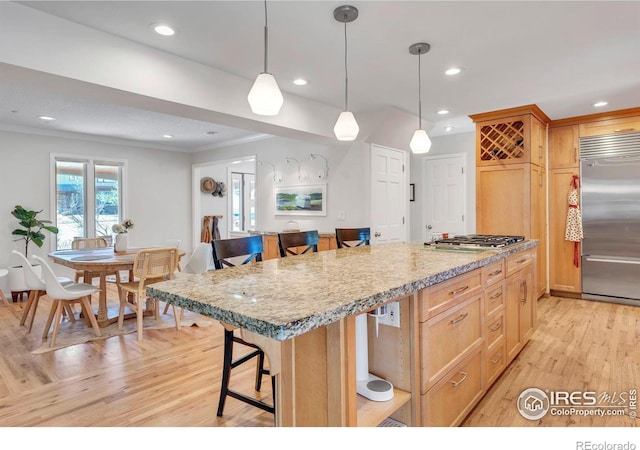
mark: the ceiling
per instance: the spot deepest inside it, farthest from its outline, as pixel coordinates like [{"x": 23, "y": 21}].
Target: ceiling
[{"x": 562, "y": 56}]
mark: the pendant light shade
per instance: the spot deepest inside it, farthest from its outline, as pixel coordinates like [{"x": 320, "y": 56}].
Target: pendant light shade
[
  {"x": 265, "y": 97},
  {"x": 420, "y": 142},
  {"x": 346, "y": 127}
]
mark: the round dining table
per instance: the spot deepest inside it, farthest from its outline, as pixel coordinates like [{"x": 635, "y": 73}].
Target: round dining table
[{"x": 101, "y": 261}]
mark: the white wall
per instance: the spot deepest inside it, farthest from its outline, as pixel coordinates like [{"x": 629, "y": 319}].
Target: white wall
[
  {"x": 444, "y": 145},
  {"x": 159, "y": 188},
  {"x": 347, "y": 182}
]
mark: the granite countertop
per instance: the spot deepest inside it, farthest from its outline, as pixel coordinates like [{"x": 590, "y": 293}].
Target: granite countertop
[{"x": 286, "y": 297}]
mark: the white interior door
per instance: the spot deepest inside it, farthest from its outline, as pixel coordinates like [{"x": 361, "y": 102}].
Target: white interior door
[
  {"x": 445, "y": 201},
  {"x": 389, "y": 201}
]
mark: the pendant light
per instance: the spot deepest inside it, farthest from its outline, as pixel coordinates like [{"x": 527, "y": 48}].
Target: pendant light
[
  {"x": 420, "y": 142},
  {"x": 346, "y": 127},
  {"x": 265, "y": 97}
]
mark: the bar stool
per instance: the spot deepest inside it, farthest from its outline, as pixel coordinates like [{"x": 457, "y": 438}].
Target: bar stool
[
  {"x": 352, "y": 237},
  {"x": 251, "y": 249},
  {"x": 298, "y": 243}
]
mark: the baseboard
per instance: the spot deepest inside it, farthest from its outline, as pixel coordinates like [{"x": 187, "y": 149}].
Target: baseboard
[{"x": 567, "y": 294}]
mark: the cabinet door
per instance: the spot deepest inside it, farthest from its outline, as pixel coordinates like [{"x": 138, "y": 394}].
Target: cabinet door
[
  {"x": 520, "y": 310},
  {"x": 539, "y": 226},
  {"x": 538, "y": 142},
  {"x": 564, "y": 147},
  {"x": 527, "y": 306},
  {"x": 515, "y": 291},
  {"x": 503, "y": 201},
  {"x": 610, "y": 126},
  {"x": 563, "y": 274}
]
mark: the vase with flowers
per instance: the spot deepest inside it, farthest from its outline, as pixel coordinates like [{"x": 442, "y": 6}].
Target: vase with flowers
[{"x": 121, "y": 241}]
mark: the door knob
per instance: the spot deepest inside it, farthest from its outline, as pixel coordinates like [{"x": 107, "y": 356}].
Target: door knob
[
  {"x": 429, "y": 227},
  {"x": 377, "y": 234}
]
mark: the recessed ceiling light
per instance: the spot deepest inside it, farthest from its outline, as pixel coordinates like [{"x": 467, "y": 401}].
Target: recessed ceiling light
[
  {"x": 167, "y": 136},
  {"x": 163, "y": 29},
  {"x": 442, "y": 112},
  {"x": 46, "y": 118},
  {"x": 300, "y": 82},
  {"x": 453, "y": 71},
  {"x": 448, "y": 128},
  {"x": 600, "y": 104}
]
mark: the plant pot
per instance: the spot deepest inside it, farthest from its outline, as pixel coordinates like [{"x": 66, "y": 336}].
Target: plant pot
[
  {"x": 16, "y": 278},
  {"x": 121, "y": 243}
]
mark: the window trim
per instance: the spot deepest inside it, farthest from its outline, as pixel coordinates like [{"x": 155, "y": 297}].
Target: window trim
[{"x": 89, "y": 186}]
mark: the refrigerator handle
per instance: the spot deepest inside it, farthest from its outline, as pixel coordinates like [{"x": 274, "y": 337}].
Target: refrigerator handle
[{"x": 607, "y": 260}]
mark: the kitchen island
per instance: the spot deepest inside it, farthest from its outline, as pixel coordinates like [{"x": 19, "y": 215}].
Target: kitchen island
[{"x": 301, "y": 311}]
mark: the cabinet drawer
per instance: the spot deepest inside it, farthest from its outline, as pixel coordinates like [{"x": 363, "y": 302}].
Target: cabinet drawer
[
  {"x": 495, "y": 329},
  {"x": 493, "y": 273},
  {"x": 442, "y": 296},
  {"x": 520, "y": 260},
  {"x": 448, "y": 338},
  {"x": 611, "y": 126},
  {"x": 455, "y": 395},
  {"x": 494, "y": 298},
  {"x": 496, "y": 362}
]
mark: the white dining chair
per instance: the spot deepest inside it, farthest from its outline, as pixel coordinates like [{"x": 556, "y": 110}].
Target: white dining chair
[
  {"x": 3, "y": 273},
  {"x": 200, "y": 262},
  {"x": 36, "y": 286},
  {"x": 65, "y": 295}
]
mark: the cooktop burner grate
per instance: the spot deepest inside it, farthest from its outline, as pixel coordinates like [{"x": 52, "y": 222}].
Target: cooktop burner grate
[{"x": 479, "y": 240}]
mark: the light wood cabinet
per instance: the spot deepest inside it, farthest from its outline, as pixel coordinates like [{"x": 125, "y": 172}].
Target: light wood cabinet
[
  {"x": 511, "y": 196},
  {"x": 610, "y": 126},
  {"x": 564, "y": 276},
  {"x": 449, "y": 337},
  {"x": 511, "y": 200},
  {"x": 520, "y": 310},
  {"x": 455, "y": 395},
  {"x": 465, "y": 338},
  {"x": 511, "y": 136},
  {"x": 564, "y": 147},
  {"x": 538, "y": 142}
]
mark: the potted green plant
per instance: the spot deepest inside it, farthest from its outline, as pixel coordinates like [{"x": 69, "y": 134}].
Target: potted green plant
[{"x": 30, "y": 230}]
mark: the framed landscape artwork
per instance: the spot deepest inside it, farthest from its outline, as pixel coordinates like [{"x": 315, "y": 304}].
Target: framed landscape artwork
[{"x": 308, "y": 200}]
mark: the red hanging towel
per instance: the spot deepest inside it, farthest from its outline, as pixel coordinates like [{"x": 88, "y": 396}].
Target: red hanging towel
[{"x": 573, "y": 231}]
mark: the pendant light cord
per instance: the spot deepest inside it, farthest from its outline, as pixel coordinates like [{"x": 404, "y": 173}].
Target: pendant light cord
[
  {"x": 419, "y": 92},
  {"x": 266, "y": 37},
  {"x": 346, "y": 76}
]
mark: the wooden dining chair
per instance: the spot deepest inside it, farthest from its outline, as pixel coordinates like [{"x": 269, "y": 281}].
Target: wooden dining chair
[
  {"x": 225, "y": 252},
  {"x": 62, "y": 296},
  {"x": 150, "y": 266},
  {"x": 297, "y": 243},
  {"x": 352, "y": 237}
]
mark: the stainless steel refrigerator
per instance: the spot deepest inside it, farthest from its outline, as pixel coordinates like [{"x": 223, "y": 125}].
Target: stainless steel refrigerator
[{"x": 610, "y": 206}]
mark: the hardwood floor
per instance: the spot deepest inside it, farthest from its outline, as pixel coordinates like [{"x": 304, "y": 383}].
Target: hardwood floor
[{"x": 172, "y": 378}]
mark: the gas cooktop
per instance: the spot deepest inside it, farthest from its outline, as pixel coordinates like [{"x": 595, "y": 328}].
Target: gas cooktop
[{"x": 477, "y": 241}]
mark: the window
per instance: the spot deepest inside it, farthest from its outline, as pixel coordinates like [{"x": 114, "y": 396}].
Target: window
[
  {"x": 88, "y": 198},
  {"x": 243, "y": 194}
]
